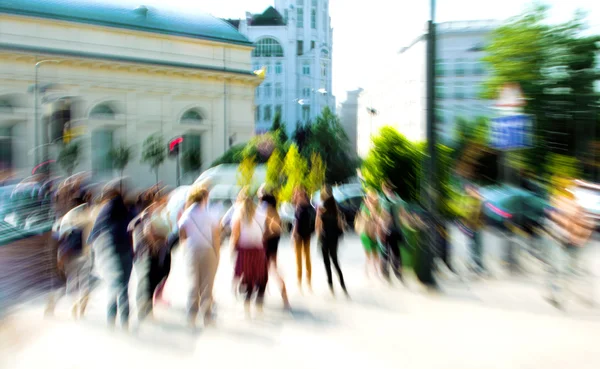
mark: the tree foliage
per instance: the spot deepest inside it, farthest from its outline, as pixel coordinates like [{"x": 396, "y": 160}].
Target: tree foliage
[
  {"x": 154, "y": 152},
  {"x": 120, "y": 156},
  {"x": 234, "y": 155},
  {"x": 246, "y": 172},
  {"x": 274, "y": 175},
  {"x": 295, "y": 170},
  {"x": 316, "y": 175},
  {"x": 279, "y": 129},
  {"x": 554, "y": 65},
  {"x": 394, "y": 158},
  {"x": 68, "y": 157}
]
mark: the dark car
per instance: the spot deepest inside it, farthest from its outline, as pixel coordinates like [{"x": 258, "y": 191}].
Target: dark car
[{"x": 508, "y": 204}]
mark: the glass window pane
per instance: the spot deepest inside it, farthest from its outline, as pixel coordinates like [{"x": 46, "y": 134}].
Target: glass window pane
[
  {"x": 313, "y": 19},
  {"x": 300, "y": 17},
  {"x": 102, "y": 143},
  {"x": 257, "y": 113}
]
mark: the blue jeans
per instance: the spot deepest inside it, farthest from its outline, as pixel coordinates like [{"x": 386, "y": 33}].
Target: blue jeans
[{"x": 115, "y": 269}]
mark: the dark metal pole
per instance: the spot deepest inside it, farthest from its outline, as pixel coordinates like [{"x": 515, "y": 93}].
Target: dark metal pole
[
  {"x": 178, "y": 169},
  {"x": 431, "y": 136}
]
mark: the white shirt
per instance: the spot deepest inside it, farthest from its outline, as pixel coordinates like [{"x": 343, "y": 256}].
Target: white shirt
[
  {"x": 251, "y": 233},
  {"x": 198, "y": 224}
]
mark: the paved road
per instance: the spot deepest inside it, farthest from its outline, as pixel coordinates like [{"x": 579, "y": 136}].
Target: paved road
[{"x": 496, "y": 323}]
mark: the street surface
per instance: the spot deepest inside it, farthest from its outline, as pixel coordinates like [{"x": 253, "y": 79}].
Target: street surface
[{"x": 500, "y": 322}]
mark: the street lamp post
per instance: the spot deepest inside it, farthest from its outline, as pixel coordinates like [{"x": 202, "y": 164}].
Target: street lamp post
[
  {"x": 36, "y": 113},
  {"x": 430, "y": 88}
]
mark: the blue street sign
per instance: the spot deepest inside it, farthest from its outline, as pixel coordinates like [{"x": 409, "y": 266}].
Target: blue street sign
[{"x": 511, "y": 132}]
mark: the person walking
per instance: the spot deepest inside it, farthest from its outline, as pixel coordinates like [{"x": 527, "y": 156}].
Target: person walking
[
  {"x": 268, "y": 205},
  {"x": 303, "y": 230},
  {"x": 330, "y": 227},
  {"x": 114, "y": 253},
  {"x": 569, "y": 229},
  {"x": 251, "y": 266},
  {"x": 366, "y": 226},
  {"x": 391, "y": 235},
  {"x": 74, "y": 257},
  {"x": 474, "y": 223},
  {"x": 200, "y": 236}
]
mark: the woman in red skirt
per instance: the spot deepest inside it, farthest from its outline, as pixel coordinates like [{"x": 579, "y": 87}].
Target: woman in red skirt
[{"x": 251, "y": 267}]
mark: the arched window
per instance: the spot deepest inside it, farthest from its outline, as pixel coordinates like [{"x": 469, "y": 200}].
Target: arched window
[
  {"x": 324, "y": 54},
  {"x": 191, "y": 116},
  {"x": 268, "y": 47},
  {"x": 102, "y": 111}
]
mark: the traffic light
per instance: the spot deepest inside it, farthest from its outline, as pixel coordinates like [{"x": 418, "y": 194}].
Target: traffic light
[{"x": 175, "y": 146}]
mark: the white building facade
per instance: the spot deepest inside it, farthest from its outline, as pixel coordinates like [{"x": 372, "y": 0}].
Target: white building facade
[
  {"x": 348, "y": 111},
  {"x": 126, "y": 74},
  {"x": 400, "y": 99},
  {"x": 293, "y": 41}
]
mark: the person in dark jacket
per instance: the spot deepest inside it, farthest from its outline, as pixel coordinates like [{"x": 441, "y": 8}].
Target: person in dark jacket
[
  {"x": 302, "y": 233},
  {"x": 330, "y": 227},
  {"x": 114, "y": 253}
]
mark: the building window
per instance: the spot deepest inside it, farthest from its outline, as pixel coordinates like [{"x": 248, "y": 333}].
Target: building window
[
  {"x": 440, "y": 92},
  {"x": 300, "y": 2},
  {"x": 323, "y": 70},
  {"x": 305, "y": 112},
  {"x": 257, "y": 113},
  {"x": 306, "y": 92},
  {"x": 312, "y": 45},
  {"x": 459, "y": 93},
  {"x": 279, "y": 110},
  {"x": 278, "y": 90},
  {"x": 102, "y": 143},
  {"x": 324, "y": 54},
  {"x": 460, "y": 67},
  {"x": 314, "y": 2},
  {"x": 267, "y": 90},
  {"x": 306, "y": 69},
  {"x": 257, "y": 91},
  {"x": 267, "y": 47},
  {"x": 191, "y": 116},
  {"x": 479, "y": 68},
  {"x": 300, "y": 17},
  {"x": 439, "y": 68},
  {"x": 268, "y": 113},
  {"x": 103, "y": 112},
  {"x": 313, "y": 18},
  {"x": 299, "y": 47},
  {"x": 278, "y": 68},
  {"x": 285, "y": 16},
  {"x": 325, "y": 20}
]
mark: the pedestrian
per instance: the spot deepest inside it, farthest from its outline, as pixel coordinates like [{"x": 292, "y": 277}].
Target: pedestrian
[
  {"x": 200, "y": 237},
  {"x": 474, "y": 222},
  {"x": 114, "y": 253},
  {"x": 569, "y": 229},
  {"x": 268, "y": 205},
  {"x": 74, "y": 258},
  {"x": 391, "y": 235},
  {"x": 152, "y": 259},
  {"x": 330, "y": 227},
  {"x": 251, "y": 266},
  {"x": 302, "y": 233},
  {"x": 366, "y": 226}
]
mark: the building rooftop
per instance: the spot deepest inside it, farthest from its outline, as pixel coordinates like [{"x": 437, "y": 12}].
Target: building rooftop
[
  {"x": 113, "y": 13},
  {"x": 270, "y": 17}
]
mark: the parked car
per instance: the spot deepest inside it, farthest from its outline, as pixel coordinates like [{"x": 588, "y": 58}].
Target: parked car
[
  {"x": 587, "y": 195},
  {"x": 504, "y": 204}
]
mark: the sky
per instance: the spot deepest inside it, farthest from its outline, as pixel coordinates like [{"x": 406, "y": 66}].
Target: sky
[{"x": 367, "y": 32}]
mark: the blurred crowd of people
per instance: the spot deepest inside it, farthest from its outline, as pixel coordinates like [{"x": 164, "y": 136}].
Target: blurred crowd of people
[{"x": 103, "y": 230}]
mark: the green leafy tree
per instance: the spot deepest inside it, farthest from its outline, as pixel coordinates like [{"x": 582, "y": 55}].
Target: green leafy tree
[
  {"x": 154, "y": 152},
  {"x": 274, "y": 174},
  {"x": 394, "y": 158},
  {"x": 278, "y": 129},
  {"x": 554, "y": 65},
  {"x": 328, "y": 139},
  {"x": 68, "y": 157},
  {"x": 316, "y": 175},
  {"x": 295, "y": 170},
  {"x": 234, "y": 155},
  {"x": 246, "y": 172},
  {"x": 120, "y": 157}
]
